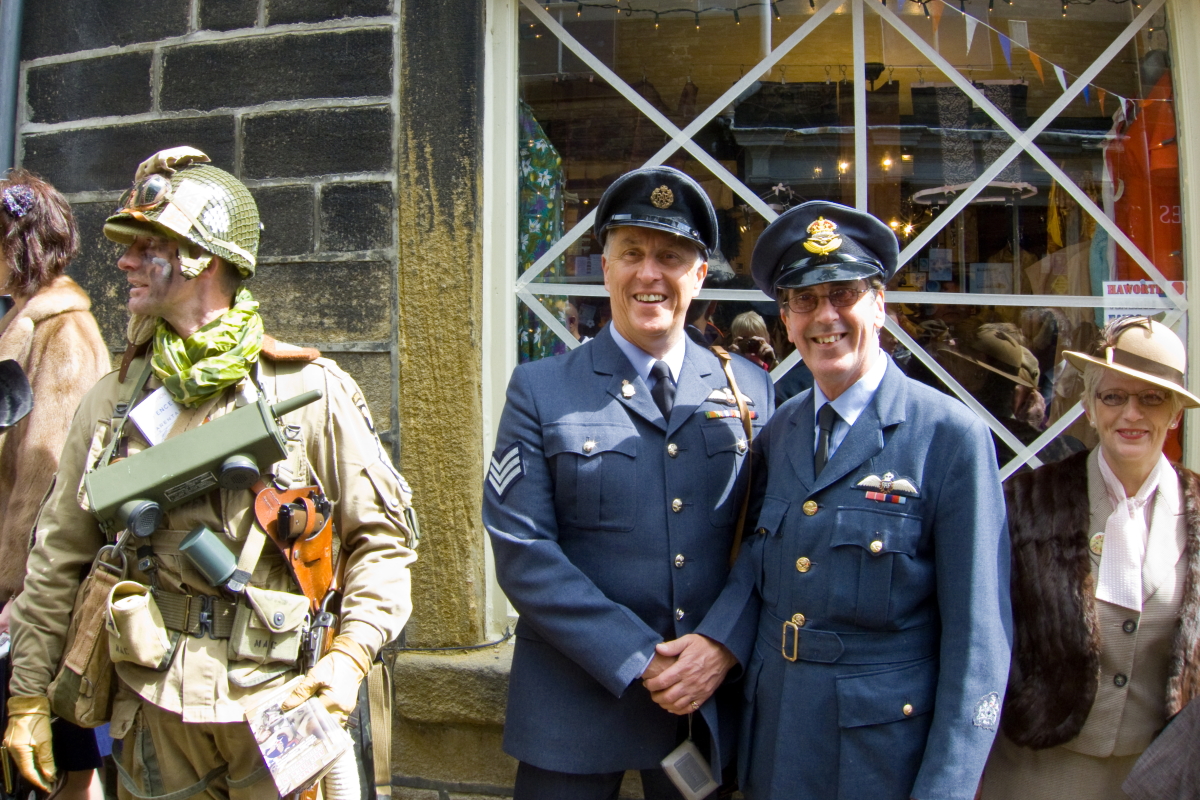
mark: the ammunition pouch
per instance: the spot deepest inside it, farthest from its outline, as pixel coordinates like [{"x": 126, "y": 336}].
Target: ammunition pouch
[
  {"x": 269, "y": 626},
  {"x": 196, "y": 615},
  {"x": 136, "y": 631}
]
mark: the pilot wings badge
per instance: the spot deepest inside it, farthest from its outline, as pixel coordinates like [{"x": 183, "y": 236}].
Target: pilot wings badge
[{"x": 881, "y": 487}]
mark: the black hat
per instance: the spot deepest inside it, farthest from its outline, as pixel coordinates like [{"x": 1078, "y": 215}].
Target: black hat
[
  {"x": 661, "y": 198},
  {"x": 820, "y": 242}
]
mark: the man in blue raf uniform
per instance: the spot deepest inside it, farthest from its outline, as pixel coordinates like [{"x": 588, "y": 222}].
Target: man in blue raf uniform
[
  {"x": 878, "y": 568},
  {"x": 611, "y": 501}
]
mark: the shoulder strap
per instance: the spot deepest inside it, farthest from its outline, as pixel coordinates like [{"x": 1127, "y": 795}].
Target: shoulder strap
[
  {"x": 744, "y": 410},
  {"x": 124, "y": 406}
]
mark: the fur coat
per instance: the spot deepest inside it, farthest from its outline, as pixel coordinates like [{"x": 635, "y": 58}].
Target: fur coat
[
  {"x": 55, "y": 340},
  {"x": 1056, "y": 647}
]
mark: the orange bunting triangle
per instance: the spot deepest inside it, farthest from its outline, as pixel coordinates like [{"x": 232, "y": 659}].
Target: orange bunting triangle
[
  {"x": 936, "y": 7},
  {"x": 1100, "y": 95},
  {"x": 1037, "y": 65}
]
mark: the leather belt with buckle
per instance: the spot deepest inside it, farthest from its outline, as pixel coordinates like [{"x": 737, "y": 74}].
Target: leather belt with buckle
[{"x": 801, "y": 643}]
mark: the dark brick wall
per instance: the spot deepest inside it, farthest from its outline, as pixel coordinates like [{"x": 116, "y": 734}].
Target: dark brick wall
[{"x": 295, "y": 97}]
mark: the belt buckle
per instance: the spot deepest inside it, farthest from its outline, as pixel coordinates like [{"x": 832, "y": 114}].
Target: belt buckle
[
  {"x": 205, "y": 617},
  {"x": 783, "y": 647}
]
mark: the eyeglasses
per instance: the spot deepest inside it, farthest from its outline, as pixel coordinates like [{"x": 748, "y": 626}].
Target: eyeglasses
[
  {"x": 148, "y": 193},
  {"x": 1119, "y": 397},
  {"x": 841, "y": 297}
]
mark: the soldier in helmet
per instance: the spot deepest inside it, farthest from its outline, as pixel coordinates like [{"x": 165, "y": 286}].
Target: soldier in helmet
[{"x": 196, "y": 343}]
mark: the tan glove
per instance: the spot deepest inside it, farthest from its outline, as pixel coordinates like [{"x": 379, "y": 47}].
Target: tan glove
[
  {"x": 335, "y": 679},
  {"x": 28, "y": 739},
  {"x": 165, "y": 162}
]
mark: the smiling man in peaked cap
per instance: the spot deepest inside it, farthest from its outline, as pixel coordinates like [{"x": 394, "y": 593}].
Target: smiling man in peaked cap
[{"x": 611, "y": 501}]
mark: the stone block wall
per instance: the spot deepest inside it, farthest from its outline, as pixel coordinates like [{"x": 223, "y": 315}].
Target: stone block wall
[{"x": 295, "y": 97}]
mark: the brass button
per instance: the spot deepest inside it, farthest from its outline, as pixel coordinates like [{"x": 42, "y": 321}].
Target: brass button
[
  {"x": 761, "y": 531},
  {"x": 798, "y": 618},
  {"x": 1120, "y": 680},
  {"x": 672, "y": 449},
  {"x": 679, "y": 561},
  {"x": 876, "y": 546},
  {"x": 679, "y": 613},
  {"x": 803, "y": 564},
  {"x": 677, "y": 505},
  {"x": 741, "y": 445},
  {"x": 809, "y": 508},
  {"x": 589, "y": 446},
  {"x": 908, "y": 709}
]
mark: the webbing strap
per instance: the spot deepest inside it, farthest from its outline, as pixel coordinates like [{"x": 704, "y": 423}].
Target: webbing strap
[
  {"x": 181, "y": 794},
  {"x": 744, "y": 412},
  {"x": 379, "y": 697},
  {"x": 125, "y": 398}
]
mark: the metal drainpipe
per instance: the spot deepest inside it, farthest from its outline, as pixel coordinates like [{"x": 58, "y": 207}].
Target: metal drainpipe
[{"x": 10, "y": 70}]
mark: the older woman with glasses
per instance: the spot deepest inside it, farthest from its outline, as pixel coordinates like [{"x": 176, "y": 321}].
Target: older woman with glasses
[{"x": 1105, "y": 584}]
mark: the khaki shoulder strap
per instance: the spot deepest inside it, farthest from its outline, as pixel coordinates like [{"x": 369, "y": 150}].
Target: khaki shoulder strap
[{"x": 743, "y": 410}]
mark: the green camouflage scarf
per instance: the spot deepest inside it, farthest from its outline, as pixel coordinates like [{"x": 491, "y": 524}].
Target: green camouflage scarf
[{"x": 218, "y": 355}]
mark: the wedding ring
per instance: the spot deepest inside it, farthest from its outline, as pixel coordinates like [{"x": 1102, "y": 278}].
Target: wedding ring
[{"x": 694, "y": 706}]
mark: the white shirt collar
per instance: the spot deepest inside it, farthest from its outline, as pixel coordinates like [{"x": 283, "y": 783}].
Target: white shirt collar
[
  {"x": 643, "y": 361},
  {"x": 851, "y": 403}
]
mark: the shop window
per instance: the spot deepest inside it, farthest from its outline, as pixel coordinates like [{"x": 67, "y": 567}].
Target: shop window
[{"x": 1023, "y": 152}]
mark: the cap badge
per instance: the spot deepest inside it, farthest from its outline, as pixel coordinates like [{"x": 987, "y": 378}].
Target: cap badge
[
  {"x": 662, "y": 197},
  {"x": 823, "y": 237}
]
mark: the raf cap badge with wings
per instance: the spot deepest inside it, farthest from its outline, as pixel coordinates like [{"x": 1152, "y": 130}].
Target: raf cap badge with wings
[{"x": 881, "y": 487}]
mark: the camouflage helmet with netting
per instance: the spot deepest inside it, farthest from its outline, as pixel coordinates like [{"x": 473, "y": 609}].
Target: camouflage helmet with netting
[{"x": 200, "y": 204}]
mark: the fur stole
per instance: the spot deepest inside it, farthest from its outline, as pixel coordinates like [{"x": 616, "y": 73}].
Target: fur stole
[
  {"x": 1056, "y": 646},
  {"x": 55, "y": 340}
]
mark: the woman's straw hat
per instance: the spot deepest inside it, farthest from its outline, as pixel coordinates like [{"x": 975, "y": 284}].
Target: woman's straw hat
[{"x": 1145, "y": 349}]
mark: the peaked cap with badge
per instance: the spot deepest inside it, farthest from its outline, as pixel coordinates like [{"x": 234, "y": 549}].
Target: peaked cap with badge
[
  {"x": 660, "y": 198},
  {"x": 820, "y": 242}
]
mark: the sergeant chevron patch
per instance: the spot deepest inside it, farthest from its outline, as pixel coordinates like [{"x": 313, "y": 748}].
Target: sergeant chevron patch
[{"x": 505, "y": 470}]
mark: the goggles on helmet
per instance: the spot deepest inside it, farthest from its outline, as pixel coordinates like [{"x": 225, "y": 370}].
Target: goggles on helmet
[{"x": 150, "y": 192}]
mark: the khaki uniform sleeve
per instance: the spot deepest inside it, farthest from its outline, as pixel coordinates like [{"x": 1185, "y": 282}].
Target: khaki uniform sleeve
[
  {"x": 369, "y": 500},
  {"x": 66, "y": 540}
]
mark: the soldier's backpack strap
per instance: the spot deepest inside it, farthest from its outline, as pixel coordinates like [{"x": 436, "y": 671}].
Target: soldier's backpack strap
[
  {"x": 379, "y": 697},
  {"x": 744, "y": 411},
  {"x": 121, "y": 412}
]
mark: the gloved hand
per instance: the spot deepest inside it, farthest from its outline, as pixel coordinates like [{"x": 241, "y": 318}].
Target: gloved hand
[
  {"x": 335, "y": 679},
  {"x": 167, "y": 161},
  {"x": 28, "y": 739}
]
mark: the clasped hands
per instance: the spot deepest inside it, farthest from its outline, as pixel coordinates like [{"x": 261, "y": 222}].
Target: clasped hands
[{"x": 684, "y": 672}]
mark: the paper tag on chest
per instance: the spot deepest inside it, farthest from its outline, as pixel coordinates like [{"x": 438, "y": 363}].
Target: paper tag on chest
[{"x": 156, "y": 415}]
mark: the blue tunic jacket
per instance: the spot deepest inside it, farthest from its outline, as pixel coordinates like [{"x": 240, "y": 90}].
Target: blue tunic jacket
[
  {"x": 898, "y": 603},
  {"x": 612, "y": 531}
]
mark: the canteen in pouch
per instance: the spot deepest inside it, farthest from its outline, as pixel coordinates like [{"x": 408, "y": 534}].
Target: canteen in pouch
[
  {"x": 269, "y": 626},
  {"x": 136, "y": 632}
]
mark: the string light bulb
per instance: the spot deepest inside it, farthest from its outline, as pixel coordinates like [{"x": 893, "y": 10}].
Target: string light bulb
[
  {"x": 925, "y": 8},
  {"x": 697, "y": 20},
  {"x": 736, "y": 19},
  {"x": 775, "y": 8},
  {"x": 579, "y": 10},
  {"x": 655, "y": 20}
]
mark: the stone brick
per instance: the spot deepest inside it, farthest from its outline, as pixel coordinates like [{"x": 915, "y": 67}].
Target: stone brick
[
  {"x": 281, "y": 12},
  {"x": 326, "y": 302},
  {"x": 227, "y": 15},
  {"x": 287, "y": 216},
  {"x": 407, "y": 793},
  {"x": 52, "y": 27},
  {"x": 95, "y": 269},
  {"x": 291, "y": 144},
  {"x": 97, "y": 159},
  {"x": 353, "y": 63},
  {"x": 373, "y": 374},
  {"x": 357, "y": 216},
  {"x": 93, "y": 87}
]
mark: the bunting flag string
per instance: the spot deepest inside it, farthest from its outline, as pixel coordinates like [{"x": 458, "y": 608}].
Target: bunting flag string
[
  {"x": 1037, "y": 65},
  {"x": 1006, "y": 46},
  {"x": 971, "y": 25}
]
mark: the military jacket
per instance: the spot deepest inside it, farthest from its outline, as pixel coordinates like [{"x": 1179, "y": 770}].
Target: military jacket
[
  {"x": 881, "y": 595},
  {"x": 612, "y": 530},
  {"x": 333, "y": 445}
]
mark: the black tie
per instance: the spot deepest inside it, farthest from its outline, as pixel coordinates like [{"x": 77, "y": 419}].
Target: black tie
[
  {"x": 664, "y": 388},
  {"x": 826, "y": 418}
]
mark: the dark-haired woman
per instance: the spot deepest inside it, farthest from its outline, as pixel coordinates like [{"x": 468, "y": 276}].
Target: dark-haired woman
[
  {"x": 51, "y": 333},
  {"x": 1106, "y": 583}
]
